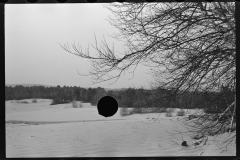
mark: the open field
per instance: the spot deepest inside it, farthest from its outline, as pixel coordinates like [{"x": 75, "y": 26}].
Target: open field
[{"x": 44, "y": 130}]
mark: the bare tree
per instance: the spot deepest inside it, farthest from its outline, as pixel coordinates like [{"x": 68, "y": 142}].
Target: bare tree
[{"x": 188, "y": 46}]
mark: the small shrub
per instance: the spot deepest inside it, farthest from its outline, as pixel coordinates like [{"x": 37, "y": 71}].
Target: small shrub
[
  {"x": 148, "y": 110},
  {"x": 137, "y": 110},
  {"x": 212, "y": 110},
  {"x": 124, "y": 111},
  {"x": 34, "y": 101},
  {"x": 55, "y": 101},
  {"x": 230, "y": 129},
  {"x": 74, "y": 104},
  {"x": 169, "y": 112},
  {"x": 181, "y": 113},
  {"x": 93, "y": 103},
  {"x": 130, "y": 111},
  {"x": 80, "y": 105}
]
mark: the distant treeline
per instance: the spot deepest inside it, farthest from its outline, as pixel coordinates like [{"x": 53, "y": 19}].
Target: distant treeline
[
  {"x": 59, "y": 94},
  {"x": 129, "y": 98}
]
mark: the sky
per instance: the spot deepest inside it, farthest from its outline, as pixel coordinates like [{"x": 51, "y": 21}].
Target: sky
[{"x": 33, "y": 54}]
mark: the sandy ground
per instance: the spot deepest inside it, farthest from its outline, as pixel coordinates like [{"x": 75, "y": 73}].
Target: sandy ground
[{"x": 62, "y": 131}]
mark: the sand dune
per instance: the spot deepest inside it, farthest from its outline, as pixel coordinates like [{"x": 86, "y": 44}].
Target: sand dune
[{"x": 41, "y": 130}]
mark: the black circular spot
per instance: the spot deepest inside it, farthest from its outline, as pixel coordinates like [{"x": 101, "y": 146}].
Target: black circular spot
[
  {"x": 179, "y": 0},
  {"x": 107, "y": 106},
  {"x": 62, "y": 1},
  {"x": 91, "y": 1},
  {"x": 150, "y": 0},
  {"x": 32, "y": 1},
  {"x": 209, "y": 0},
  {"x": 120, "y": 1}
]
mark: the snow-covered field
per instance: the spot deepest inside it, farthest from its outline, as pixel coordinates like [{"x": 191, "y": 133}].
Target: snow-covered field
[{"x": 62, "y": 131}]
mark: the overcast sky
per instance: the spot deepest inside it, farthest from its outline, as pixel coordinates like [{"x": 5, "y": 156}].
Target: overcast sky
[{"x": 32, "y": 52}]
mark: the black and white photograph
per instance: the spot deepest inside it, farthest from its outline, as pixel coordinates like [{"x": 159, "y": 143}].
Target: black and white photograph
[{"x": 120, "y": 79}]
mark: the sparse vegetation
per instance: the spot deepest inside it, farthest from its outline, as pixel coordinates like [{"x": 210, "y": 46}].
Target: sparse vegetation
[
  {"x": 34, "y": 101},
  {"x": 74, "y": 104},
  {"x": 59, "y": 101},
  {"x": 158, "y": 110},
  {"x": 192, "y": 116},
  {"x": 181, "y": 113},
  {"x": 80, "y": 105},
  {"x": 212, "y": 111},
  {"x": 169, "y": 112},
  {"x": 22, "y": 102},
  {"x": 137, "y": 111},
  {"x": 125, "y": 112},
  {"x": 197, "y": 136}
]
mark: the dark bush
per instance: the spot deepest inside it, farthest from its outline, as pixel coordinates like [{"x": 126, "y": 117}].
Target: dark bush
[
  {"x": 212, "y": 111},
  {"x": 59, "y": 101},
  {"x": 169, "y": 112},
  {"x": 74, "y": 104},
  {"x": 125, "y": 112},
  {"x": 181, "y": 113},
  {"x": 192, "y": 116}
]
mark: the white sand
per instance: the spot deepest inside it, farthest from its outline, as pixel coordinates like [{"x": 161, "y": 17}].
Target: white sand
[{"x": 96, "y": 136}]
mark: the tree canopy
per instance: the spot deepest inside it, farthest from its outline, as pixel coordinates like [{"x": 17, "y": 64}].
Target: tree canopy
[{"x": 188, "y": 46}]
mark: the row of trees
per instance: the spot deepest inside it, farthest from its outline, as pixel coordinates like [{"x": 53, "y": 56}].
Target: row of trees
[
  {"x": 59, "y": 94},
  {"x": 163, "y": 98},
  {"x": 129, "y": 98}
]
